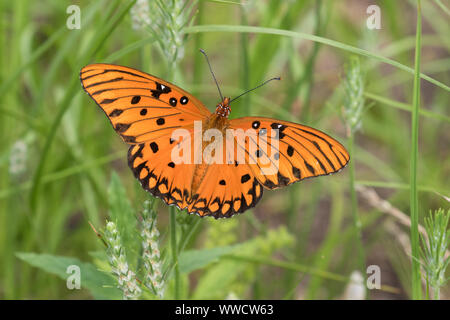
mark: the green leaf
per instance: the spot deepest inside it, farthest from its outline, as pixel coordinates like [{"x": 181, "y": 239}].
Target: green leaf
[
  {"x": 100, "y": 284},
  {"x": 217, "y": 281},
  {"x": 196, "y": 259}
]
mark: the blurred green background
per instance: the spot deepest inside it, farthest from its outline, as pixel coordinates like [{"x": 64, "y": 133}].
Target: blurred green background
[{"x": 58, "y": 150}]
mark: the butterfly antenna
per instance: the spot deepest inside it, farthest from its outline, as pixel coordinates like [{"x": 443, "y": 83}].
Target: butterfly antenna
[
  {"x": 210, "y": 69},
  {"x": 276, "y": 78}
]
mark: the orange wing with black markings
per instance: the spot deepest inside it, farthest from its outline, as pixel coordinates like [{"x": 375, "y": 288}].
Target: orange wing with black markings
[
  {"x": 141, "y": 107},
  {"x": 300, "y": 152},
  {"x": 145, "y": 111}
]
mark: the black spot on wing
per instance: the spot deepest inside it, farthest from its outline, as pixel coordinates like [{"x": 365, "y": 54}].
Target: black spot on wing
[
  {"x": 129, "y": 139},
  {"x": 296, "y": 172},
  {"x": 245, "y": 178},
  {"x": 122, "y": 127},
  {"x": 290, "y": 151},
  {"x": 135, "y": 99},
  {"x": 115, "y": 113},
  {"x": 154, "y": 147},
  {"x": 107, "y": 101},
  {"x": 184, "y": 100},
  {"x": 173, "y": 102},
  {"x": 282, "y": 180},
  {"x": 269, "y": 184},
  {"x": 160, "y": 89}
]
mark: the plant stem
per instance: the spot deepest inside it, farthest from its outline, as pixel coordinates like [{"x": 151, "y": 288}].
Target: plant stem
[
  {"x": 437, "y": 292},
  {"x": 308, "y": 73},
  {"x": 245, "y": 67},
  {"x": 173, "y": 244},
  {"x": 186, "y": 237},
  {"x": 198, "y": 58},
  {"x": 354, "y": 205},
  {"x": 414, "y": 203},
  {"x": 299, "y": 35}
]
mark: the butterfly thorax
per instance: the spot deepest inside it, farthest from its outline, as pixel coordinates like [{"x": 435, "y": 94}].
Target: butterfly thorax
[{"x": 223, "y": 108}]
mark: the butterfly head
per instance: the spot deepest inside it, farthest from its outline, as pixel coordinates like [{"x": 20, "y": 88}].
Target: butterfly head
[{"x": 223, "y": 109}]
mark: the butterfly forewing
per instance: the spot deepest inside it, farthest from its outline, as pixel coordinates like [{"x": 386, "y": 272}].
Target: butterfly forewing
[
  {"x": 140, "y": 107},
  {"x": 298, "y": 151}
]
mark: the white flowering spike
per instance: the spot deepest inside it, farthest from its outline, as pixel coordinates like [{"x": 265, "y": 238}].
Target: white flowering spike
[
  {"x": 354, "y": 95},
  {"x": 119, "y": 266},
  {"x": 151, "y": 254},
  {"x": 434, "y": 251},
  {"x": 140, "y": 14},
  {"x": 165, "y": 19}
]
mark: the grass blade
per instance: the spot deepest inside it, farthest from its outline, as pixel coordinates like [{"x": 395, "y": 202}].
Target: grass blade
[
  {"x": 299, "y": 35},
  {"x": 414, "y": 202}
]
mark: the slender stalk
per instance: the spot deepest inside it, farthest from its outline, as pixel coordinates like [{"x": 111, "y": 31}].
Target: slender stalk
[
  {"x": 188, "y": 234},
  {"x": 305, "y": 80},
  {"x": 198, "y": 58},
  {"x": 308, "y": 77},
  {"x": 352, "y": 113},
  {"x": 173, "y": 245},
  {"x": 309, "y": 74},
  {"x": 437, "y": 292},
  {"x": 354, "y": 205},
  {"x": 323, "y": 40},
  {"x": 414, "y": 202},
  {"x": 245, "y": 74}
]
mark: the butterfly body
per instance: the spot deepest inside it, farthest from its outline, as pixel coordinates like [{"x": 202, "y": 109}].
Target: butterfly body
[
  {"x": 147, "y": 111},
  {"x": 223, "y": 109}
]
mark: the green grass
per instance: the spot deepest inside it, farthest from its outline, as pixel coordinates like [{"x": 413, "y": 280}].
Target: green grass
[
  {"x": 174, "y": 249},
  {"x": 416, "y": 285},
  {"x": 301, "y": 238}
]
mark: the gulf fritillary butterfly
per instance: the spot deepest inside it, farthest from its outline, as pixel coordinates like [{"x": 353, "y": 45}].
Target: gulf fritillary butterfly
[{"x": 145, "y": 110}]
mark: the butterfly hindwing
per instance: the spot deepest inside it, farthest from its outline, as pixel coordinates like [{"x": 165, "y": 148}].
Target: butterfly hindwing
[
  {"x": 226, "y": 189},
  {"x": 153, "y": 165},
  {"x": 218, "y": 190}
]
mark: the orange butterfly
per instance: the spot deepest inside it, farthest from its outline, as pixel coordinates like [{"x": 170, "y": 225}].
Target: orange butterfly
[{"x": 146, "y": 111}]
